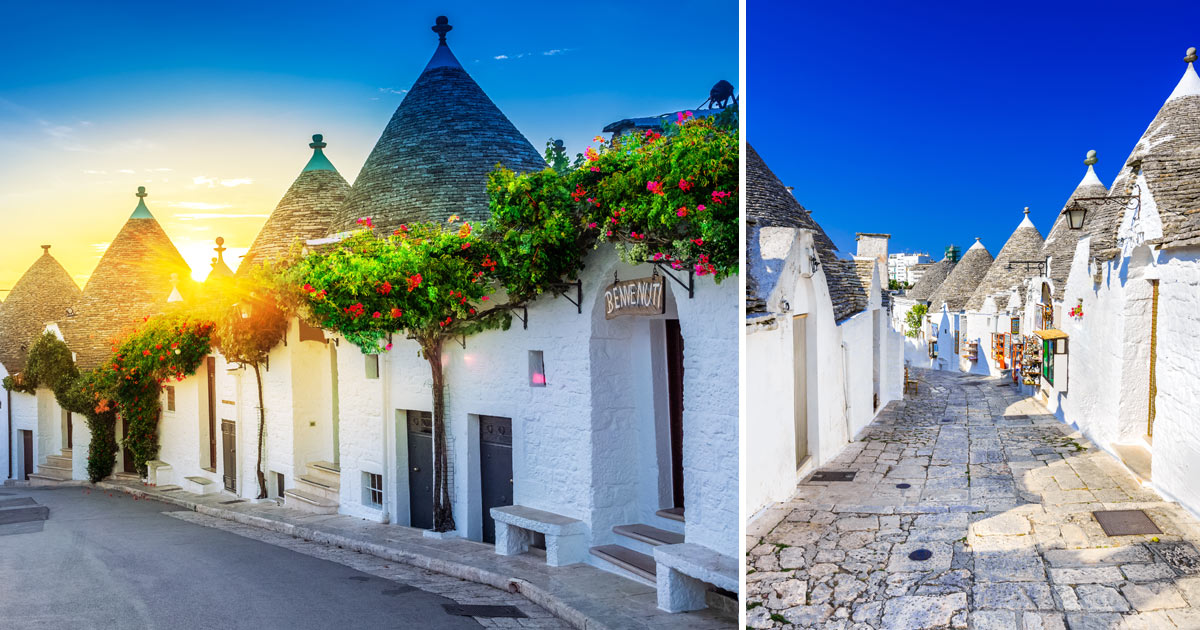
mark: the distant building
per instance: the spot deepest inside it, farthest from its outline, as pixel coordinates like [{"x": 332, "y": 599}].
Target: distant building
[{"x": 901, "y": 267}]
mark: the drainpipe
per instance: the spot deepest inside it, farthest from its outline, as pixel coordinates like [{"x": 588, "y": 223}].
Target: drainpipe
[
  {"x": 386, "y": 398},
  {"x": 846, "y": 390},
  {"x": 10, "y": 451}
]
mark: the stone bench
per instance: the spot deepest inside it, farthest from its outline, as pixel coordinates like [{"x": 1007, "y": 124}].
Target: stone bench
[
  {"x": 684, "y": 572},
  {"x": 566, "y": 538}
]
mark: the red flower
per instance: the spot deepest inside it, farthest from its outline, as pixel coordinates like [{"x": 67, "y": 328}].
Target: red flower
[
  {"x": 308, "y": 288},
  {"x": 592, "y": 225},
  {"x": 698, "y": 241},
  {"x": 465, "y": 245},
  {"x": 485, "y": 298},
  {"x": 681, "y": 212},
  {"x": 376, "y": 315},
  {"x": 685, "y": 185},
  {"x": 396, "y": 312},
  {"x": 414, "y": 281},
  {"x": 145, "y": 353},
  {"x": 385, "y": 288},
  {"x": 655, "y": 187},
  {"x": 579, "y": 193},
  {"x": 719, "y": 196}
]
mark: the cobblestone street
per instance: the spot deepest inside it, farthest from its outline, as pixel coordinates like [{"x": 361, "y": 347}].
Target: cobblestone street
[{"x": 999, "y": 496}]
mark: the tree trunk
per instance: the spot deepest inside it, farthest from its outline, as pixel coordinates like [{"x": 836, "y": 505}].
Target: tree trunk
[
  {"x": 262, "y": 427},
  {"x": 443, "y": 512}
]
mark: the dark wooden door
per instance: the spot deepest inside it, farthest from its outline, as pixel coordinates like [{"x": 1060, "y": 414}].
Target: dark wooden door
[
  {"x": 420, "y": 469},
  {"x": 127, "y": 456},
  {"x": 211, "y": 365},
  {"x": 229, "y": 447},
  {"x": 675, "y": 391},
  {"x": 70, "y": 431},
  {"x": 27, "y": 450},
  {"x": 495, "y": 469}
]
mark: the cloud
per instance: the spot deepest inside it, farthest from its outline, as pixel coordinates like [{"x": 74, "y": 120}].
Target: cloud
[
  {"x": 200, "y": 216},
  {"x": 211, "y": 182},
  {"x": 158, "y": 170},
  {"x": 100, "y": 247},
  {"x": 554, "y": 51},
  {"x": 388, "y": 90},
  {"x": 500, "y": 57},
  {"x": 127, "y": 171},
  {"x": 197, "y": 205},
  {"x": 94, "y": 172}
]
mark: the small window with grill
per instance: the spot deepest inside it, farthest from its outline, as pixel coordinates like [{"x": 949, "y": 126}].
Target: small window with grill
[
  {"x": 373, "y": 489},
  {"x": 170, "y": 398},
  {"x": 372, "y": 365}
]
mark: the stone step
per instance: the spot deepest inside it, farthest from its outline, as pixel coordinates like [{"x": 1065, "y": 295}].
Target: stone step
[
  {"x": 38, "y": 479},
  {"x": 321, "y": 487},
  {"x": 647, "y": 534},
  {"x": 1136, "y": 458},
  {"x": 59, "y": 460},
  {"x": 308, "y": 502},
  {"x": 158, "y": 473},
  {"x": 50, "y": 470},
  {"x": 328, "y": 473},
  {"x": 638, "y": 564},
  {"x": 127, "y": 476},
  {"x": 200, "y": 485},
  {"x": 674, "y": 514},
  {"x": 66, "y": 452},
  {"x": 23, "y": 513}
]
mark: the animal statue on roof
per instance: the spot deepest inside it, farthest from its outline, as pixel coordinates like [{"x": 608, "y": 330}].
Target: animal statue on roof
[{"x": 719, "y": 96}]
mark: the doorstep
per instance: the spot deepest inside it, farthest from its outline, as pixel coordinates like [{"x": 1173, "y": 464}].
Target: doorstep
[{"x": 580, "y": 594}]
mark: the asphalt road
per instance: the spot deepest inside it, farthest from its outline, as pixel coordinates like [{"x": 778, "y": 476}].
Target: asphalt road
[{"x": 110, "y": 561}]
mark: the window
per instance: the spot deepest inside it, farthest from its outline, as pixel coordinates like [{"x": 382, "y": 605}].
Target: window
[
  {"x": 372, "y": 365},
  {"x": 279, "y": 484},
  {"x": 537, "y": 369},
  {"x": 170, "y": 398},
  {"x": 372, "y": 490},
  {"x": 1048, "y": 360}
]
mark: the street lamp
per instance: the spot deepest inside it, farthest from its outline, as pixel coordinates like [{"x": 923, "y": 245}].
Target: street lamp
[{"x": 1075, "y": 213}]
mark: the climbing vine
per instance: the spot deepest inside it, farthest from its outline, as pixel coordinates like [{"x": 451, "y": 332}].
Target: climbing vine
[
  {"x": 86, "y": 395},
  {"x": 49, "y": 364}
]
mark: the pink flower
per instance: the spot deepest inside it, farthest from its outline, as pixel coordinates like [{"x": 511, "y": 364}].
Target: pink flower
[
  {"x": 388, "y": 347},
  {"x": 682, "y": 212},
  {"x": 595, "y": 169},
  {"x": 655, "y": 187},
  {"x": 377, "y": 315},
  {"x": 682, "y": 116},
  {"x": 700, "y": 208},
  {"x": 685, "y": 185},
  {"x": 592, "y": 224}
]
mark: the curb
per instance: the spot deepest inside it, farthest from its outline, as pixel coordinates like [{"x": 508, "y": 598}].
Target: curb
[{"x": 534, "y": 594}]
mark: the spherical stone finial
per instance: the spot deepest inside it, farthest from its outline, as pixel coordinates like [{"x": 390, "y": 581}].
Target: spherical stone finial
[
  {"x": 1191, "y": 55},
  {"x": 220, "y": 240},
  {"x": 141, "y": 191},
  {"x": 976, "y": 239},
  {"x": 442, "y": 27},
  {"x": 318, "y": 142},
  {"x": 1026, "y": 210},
  {"x": 1091, "y": 158}
]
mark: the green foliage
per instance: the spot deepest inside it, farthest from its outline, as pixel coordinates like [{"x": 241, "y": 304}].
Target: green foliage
[
  {"x": 669, "y": 196},
  {"x": 86, "y": 395},
  {"x": 914, "y": 319},
  {"x": 556, "y": 157},
  {"x": 427, "y": 280},
  {"x": 169, "y": 346},
  {"x": 896, "y": 285},
  {"x": 49, "y": 364}
]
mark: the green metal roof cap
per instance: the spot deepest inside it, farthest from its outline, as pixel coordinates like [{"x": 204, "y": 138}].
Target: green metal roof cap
[
  {"x": 141, "y": 211},
  {"x": 318, "y": 162}
]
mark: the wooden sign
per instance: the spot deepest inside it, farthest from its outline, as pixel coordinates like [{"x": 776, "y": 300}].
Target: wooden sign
[{"x": 643, "y": 296}]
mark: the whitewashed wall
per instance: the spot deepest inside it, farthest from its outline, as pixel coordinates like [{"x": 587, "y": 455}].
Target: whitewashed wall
[{"x": 25, "y": 417}]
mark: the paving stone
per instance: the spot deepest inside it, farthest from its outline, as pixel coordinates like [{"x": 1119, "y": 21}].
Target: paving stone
[
  {"x": 808, "y": 615},
  {"x": 1089, "y": 557},
  {"x": 939, "y": 561},
  {"x": 1014, "y": 596},
  {"x": 1157, "y": 596},
  {"x": 993, "y": 620},
  {"x": 1147, "y": 572},
  {"x": 1043, "y": 621},
  {"x": 1002, "y": 525},
  {"x": 792, "y": 558},
  {"x": 921, "y": 612},
  {"x": 1094, "y": 597},
  {"x": 1088, "y": 575}
]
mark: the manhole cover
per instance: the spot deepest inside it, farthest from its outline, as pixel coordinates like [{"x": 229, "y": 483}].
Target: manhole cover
[
  {"x": 834, "y": 475},
  {"x": 920, "y": 555},
  {"x": 1125, "y": 522},
  {"x": 1182, "y": 556},
  {"x": 465, "y": 610},
  {"x": 903, "y": 486}
]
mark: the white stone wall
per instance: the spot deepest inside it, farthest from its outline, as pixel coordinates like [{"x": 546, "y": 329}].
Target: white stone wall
[
  {"x": 25, "y": 418},
  {"x": 361, "y": 428},
  {"x": 770, "y": 425}
]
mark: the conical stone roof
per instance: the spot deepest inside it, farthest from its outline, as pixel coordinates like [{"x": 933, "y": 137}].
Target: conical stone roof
[
  {"x": 433, "y": 158},
  {"x": 1168, "y": 155},
  {"x": 963, "y": 279},
  {"x": 41, "y": 296},
  {"x": 1007, "y": 271},
  {"x": 770, "y": 204},
  {"x": 132, "y": 281},
  {"x": 1061, "y": 243},
  {"x": 935, "y": 274},
  {"x": 305, "y": 212}
]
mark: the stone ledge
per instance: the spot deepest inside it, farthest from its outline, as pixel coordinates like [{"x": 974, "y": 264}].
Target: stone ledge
[
  {"x": 699, "y": 562},
  {"x": 539, "y": 520}
]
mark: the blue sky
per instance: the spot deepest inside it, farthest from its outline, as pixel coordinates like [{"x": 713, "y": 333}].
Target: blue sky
[
  {"x": 938, "y": 123},
  {"x": 211, "y": 105}
]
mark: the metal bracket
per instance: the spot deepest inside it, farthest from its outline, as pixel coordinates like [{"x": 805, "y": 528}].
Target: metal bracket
[
  {"x": 666, "y": 269},
  {"x": 462, "y": 341},
  {"x": 578, "y": 301},
  {"x": 1040, "y": 264},
  {"x": 524, "y": 317}
]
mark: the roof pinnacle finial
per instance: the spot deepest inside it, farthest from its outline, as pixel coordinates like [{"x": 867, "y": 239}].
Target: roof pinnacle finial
[
  {"x": 1091, "y": 158},
  {"x": 45, "y": 250},
  {"x": 1026, "y": 210},
  {"x": 1191, "y": 55},
  {"x": 220, "y": 249},
  {"x": 318, "y": 142},
  {"x": 141, "y": 193},
  {"x": 441, "y": 28}
]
